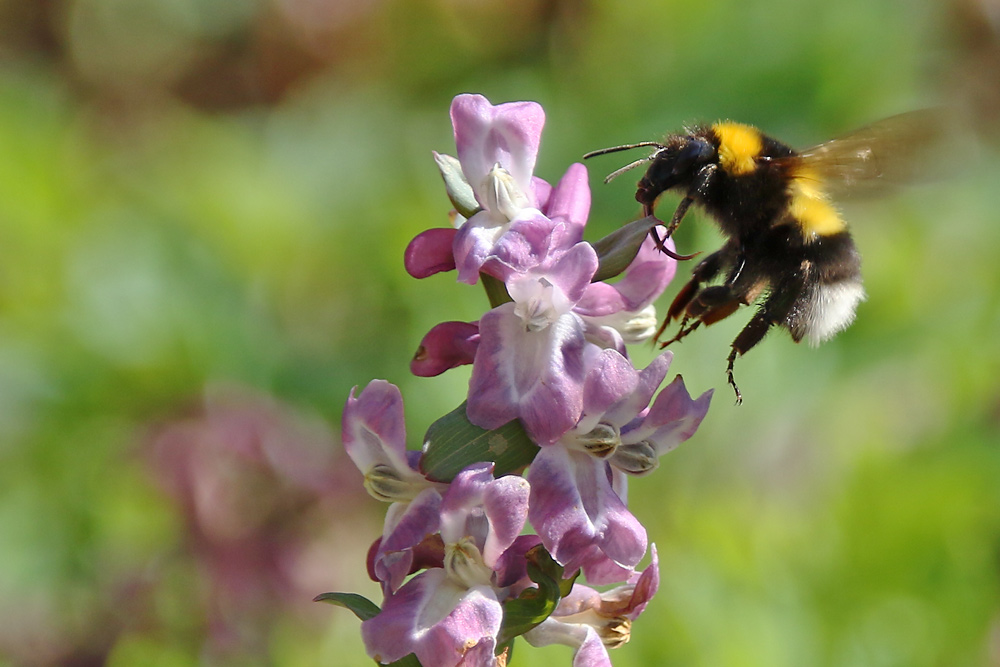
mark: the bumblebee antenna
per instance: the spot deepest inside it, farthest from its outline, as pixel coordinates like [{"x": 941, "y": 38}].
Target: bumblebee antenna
[
  {"x": 614, "y": 149},
  {"x": 618, "y": 172},
  {"x": 623, "y": 147}
]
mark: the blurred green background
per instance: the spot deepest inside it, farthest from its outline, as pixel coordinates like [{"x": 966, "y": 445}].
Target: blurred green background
[{"x": 203, "y": 209}]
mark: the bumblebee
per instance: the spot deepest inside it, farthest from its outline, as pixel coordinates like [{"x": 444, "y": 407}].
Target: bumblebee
[{"x": 787, "y": 247}]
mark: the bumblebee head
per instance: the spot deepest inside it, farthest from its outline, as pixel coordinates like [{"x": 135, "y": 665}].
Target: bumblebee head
[{"x": 674, "y": 164}]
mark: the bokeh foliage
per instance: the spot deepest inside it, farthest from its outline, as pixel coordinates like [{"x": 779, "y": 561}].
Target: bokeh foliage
[{"x": 203, "y": 209}]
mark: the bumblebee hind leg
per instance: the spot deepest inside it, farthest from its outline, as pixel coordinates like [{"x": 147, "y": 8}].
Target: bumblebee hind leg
[
  {"x": 752, "y": 334},
  {"x": 775, "y": 310}
]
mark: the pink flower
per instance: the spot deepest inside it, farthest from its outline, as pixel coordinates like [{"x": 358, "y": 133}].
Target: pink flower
[
  {"x": 375, "y": 438},
  {"x": 579, "y": 485},
  {"x": 531, "y": 363},
  {"x": 593, "y": 622},
  {"x": 520, "y": 218},
  {"x": 445, "y": 612}
]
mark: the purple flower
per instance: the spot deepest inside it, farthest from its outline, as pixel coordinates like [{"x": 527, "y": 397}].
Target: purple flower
[
  {"x": 521, "y": 218},
  {"x": 531, "y": 363},
  {"x": 450, "y": 614},
  {"x": 581, "y": 518},
  {"x": 430, "y": 252},
  {"x": 672, "y": 418},
  {"x": 445, "y": 346},
  {"x": 593, "y": 622},
  {"x": 436, "y": 618},
  {"x": 375, "y": 438},
  {"x": 554, "y": 357},
  {"x": 578, "y": 484}
]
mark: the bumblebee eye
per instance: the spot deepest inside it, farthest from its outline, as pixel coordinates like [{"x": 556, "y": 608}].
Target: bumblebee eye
[{"x": 696, "y": 151}]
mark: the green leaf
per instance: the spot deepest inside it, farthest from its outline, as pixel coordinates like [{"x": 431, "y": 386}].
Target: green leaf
[
  {"x": 459, "y": 191},
  {"x": 617, "y": 250},
  {"x": 362, "y": 607},
  {"x": 534, "y": 605},
  {"x": 453, "y": 443},
  {"x": 408, "y": 661}
]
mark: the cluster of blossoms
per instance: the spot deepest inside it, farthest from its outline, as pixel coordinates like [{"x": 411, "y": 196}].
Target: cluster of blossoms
[{"x": 552, "y": 391}]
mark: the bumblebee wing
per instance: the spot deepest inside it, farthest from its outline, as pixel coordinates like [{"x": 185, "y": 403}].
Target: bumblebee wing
[{"x": 895, "y": 151}]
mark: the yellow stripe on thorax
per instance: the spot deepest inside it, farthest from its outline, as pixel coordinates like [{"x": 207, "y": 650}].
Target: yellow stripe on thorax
[
  {"x": 739, "y": 147},
  {"x": 810, "y": 206}
]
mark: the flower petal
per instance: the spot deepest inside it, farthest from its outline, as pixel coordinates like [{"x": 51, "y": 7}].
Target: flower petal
[
  {"x": 573, "y": 269},
  {"x": 645, "y": 587},
  {"x": 650, "y": 379},
  {"x": 434, "y": 618},
  {"x": 475, "y": 493},
  {"x": 611, "y": 379},
  {"x": 570, "y": 199},
  {"x": 581, "y": 520},
  {"x": 445, "y": 346},
  {"x": 525, "y": 244},
  {"x": 536, "y": 376},
  {"x": 512, "y": 566},
  {"x": 485, "y": 135},
  {"x": 590, "y": 650},
  {"x": 474, "y": 243},
  {"x": 648, "y": 274},
  {"x": 373, "y": 429},
  {"x": 672, "y": 419},
  {"x": 430, "y": 252},
  {"x": 406, "y": 526}
]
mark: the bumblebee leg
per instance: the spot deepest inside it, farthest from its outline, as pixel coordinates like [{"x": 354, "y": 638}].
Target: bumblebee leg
[
  {"x": 774, "y": 311},
  {"x": 707, "y": 269},
  {"x": 674, "y": 223},
  {"x": 682, "y": 331},
  {"x": 712, "y": 305},
  {"x": 675, "y": 220},
  {"x": 752, "y": 334}
]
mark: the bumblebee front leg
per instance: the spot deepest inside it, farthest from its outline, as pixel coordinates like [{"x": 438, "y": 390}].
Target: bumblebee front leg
[{"x": 675, "y": 222}]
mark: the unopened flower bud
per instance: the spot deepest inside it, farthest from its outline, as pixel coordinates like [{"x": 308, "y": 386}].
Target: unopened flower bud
[
  {"x": 640, "y": 325},
  {"x": 634, "y": 327}
]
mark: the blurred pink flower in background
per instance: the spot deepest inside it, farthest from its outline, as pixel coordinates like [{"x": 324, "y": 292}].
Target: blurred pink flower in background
[{"x": 262, "y": 490}]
